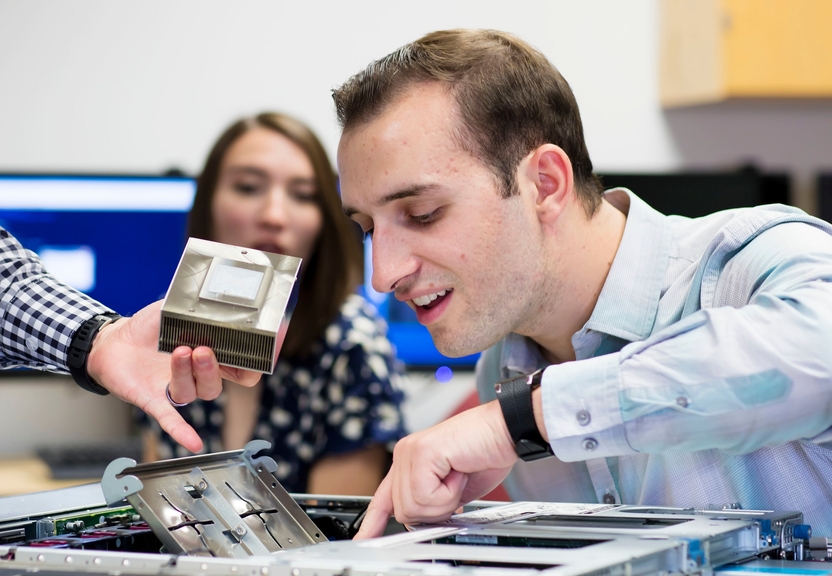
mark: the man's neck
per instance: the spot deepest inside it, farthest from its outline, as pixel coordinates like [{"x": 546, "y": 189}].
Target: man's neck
[{"x": 586, "y": 252}]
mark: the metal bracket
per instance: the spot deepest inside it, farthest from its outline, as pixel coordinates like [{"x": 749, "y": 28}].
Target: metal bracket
[{"x": 227, "y": 504}]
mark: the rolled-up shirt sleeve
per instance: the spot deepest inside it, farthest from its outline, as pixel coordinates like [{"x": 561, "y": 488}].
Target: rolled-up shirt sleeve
[{"x": 753, "y": 368}]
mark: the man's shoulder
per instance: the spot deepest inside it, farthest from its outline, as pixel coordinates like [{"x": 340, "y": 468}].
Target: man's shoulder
[{"x": 729, "y": 230}]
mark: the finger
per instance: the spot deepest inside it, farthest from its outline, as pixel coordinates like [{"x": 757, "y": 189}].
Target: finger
[
  {"x": 206, "y": 373},
  {"x": 240, "y": 376},
  {"x": 182, "y": 385},
  {"x": 172, "y": 422},
  {"x": 378, "y": 513},
  {"x": 437, "y": 506},
  {"x": 455, "y": 483},
  {"x": 482, "y": 483},
  {"x": 428, "y": 489}
]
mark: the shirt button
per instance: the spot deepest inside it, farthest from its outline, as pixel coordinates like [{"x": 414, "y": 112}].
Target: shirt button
[
  {"x": 609, "y": 499},
  {"x": 583, "y": 417},
  {"x": 32, "y": 343},
  {"x": 589, "y": 444},
  {"x": 682, "y": 401}
]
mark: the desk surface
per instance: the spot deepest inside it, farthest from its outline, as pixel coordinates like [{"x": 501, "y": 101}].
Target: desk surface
[{"x": 31, "y": 474}]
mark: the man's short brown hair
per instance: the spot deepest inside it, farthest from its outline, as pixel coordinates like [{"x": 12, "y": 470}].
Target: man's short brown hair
[{"x": 509, "y": 97}]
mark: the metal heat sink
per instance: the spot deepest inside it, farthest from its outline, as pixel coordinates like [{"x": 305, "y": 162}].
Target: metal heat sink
[{"x": 230, "y": 299}]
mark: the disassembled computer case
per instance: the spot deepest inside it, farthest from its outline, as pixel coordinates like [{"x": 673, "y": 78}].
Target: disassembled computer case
[
  {"x": 226, "y": 514},
  {"x": 230, "y": 299},
  {"x": 226, "y": 504}
]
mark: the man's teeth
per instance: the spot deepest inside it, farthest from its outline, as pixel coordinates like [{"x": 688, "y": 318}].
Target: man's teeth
[{"x": 428, "y": 298}]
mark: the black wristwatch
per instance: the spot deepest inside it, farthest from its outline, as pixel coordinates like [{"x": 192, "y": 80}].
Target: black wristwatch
[
  {"x": 515, "y": 396},
  {"x": 79, "y": 348}
]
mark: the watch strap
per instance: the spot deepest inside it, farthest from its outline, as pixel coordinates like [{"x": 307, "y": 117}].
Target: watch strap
[
  {"x": 79, "y": 348},
  {"x": 515, "y": 397}
]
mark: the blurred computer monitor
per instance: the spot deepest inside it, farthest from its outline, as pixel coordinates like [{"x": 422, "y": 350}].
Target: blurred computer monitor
[
  {"x": 825, "y": 195},
  {"x": 695, "y": 194},
  {"x": 116, "y": 238}
]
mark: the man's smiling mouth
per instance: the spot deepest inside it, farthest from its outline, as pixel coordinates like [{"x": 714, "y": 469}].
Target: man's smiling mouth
[{"x": 431, "y": 300}]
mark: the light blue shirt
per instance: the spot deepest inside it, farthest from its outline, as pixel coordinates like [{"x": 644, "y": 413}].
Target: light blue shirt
[{"x": 704, "y": 374}]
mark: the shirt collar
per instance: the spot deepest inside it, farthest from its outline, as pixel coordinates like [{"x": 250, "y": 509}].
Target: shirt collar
[{"x": 629, "y": 300}]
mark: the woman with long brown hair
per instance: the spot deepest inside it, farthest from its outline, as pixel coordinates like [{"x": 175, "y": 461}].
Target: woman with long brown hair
[{"x": 330, "y": 409}]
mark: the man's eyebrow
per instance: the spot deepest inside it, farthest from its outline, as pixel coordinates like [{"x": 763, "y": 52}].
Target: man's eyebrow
[{"x": 408, "y": 192}]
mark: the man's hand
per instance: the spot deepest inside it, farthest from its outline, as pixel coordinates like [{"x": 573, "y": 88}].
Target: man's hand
[
  {"x": 125, "y": 360},
  {"x": 437, "y": 470}
]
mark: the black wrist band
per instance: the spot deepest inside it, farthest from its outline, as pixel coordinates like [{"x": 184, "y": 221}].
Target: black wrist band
[
  {"x": 515, "y": 396},
  {"x": 79, "y": 348}
]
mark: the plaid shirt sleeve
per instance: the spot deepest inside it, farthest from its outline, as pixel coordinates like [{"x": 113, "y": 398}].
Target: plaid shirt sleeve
[{"x": 38, "y": 314}]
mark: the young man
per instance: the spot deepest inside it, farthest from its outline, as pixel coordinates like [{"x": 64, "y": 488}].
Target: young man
[
  {"x": 48, "y": 325},
  {"x": 687, "y": 362}
]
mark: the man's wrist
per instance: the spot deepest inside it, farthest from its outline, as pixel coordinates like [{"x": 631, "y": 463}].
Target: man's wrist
[
  {"x": 81, "y": 350},
  {"x": 500, "y": 427},
  {"x": 523, "y": 417}
]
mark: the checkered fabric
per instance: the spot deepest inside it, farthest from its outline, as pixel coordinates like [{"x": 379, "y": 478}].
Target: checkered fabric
[{"x": 39, "y": 314}]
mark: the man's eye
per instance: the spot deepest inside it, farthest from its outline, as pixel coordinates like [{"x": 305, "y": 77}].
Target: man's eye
[{"x": 426, "y": 218}]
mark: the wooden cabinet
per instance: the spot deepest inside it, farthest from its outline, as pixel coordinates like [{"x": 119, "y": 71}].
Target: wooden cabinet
[{"x": 713, "y": 50}]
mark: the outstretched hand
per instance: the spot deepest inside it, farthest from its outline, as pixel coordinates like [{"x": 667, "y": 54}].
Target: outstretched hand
[
  {"x": 125, "y": 360},
  {"x": 437, "y": 470}
]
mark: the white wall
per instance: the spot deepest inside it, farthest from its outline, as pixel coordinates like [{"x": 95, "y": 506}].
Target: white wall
[
  {"x": 94, "y": 85},
  {"x": 142, "y": 86}
]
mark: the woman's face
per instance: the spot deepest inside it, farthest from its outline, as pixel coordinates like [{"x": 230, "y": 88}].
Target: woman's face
[{"x": 266, "y": 196}]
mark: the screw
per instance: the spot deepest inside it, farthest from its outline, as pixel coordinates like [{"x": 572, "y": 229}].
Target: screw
[
  {"x": 240, "y": 530},
  {"x": 203, "y": 485}
]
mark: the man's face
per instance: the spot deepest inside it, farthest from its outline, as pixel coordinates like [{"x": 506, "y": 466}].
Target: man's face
[{"x": 444, "y": 240}]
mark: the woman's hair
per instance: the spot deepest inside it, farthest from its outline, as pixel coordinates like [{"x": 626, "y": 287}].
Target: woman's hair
[{"x": 334, "y": 268}]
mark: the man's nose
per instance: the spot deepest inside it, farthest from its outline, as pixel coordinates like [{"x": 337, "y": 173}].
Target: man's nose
[{"x": 393, "y": 260}]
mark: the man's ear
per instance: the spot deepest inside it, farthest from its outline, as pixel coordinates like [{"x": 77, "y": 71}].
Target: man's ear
[{"x": 550, "y": 171}]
